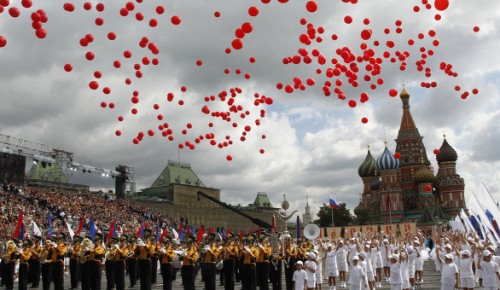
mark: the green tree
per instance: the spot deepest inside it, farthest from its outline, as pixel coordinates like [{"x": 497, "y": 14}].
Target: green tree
[
  {"x": 362, "y": 217},
  {"x": 341, "y": 216}
]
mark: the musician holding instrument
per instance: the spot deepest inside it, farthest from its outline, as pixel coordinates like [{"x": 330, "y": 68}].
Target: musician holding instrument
[
  {"x": 58, "y": 254},
  {"x": 290, "y": 258},
  {"x": 12, "y": 254},
  {"x": 34, "y": 262},
  {"x": 96, "y": 255},
  {"x": 74, "y": 261},
  {"x": 166, "y": 256},
  {"x": 23, "y": 264},
  {"x": 188, "y": 271},
  {"x": 85, "y": 263},
  {"x": 262, "y": 261},
  {"x": 249, "y": 255},
  {"x": 143, "y": 252},
  {"x": 230, "y": 254},
  {"x": 121, "y": 253},
  {"x": 109, "y": 265},
  {"x": 210, "y": 257},
  {"x": 154, "y": 248},
  {"x": 46, "y": 261},
  {"x": 131, "y": 261}
]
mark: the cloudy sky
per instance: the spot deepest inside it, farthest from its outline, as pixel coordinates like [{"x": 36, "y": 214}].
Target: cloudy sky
[{"x": 313, "y": 144}]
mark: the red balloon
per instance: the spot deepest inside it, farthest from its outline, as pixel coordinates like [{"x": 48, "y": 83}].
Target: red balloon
[
  {"x": 428, "y": 188},
  {"x": 104, "y": 105},
  {"x": 262, "y": 151},
  {"x": 237, "y": 44},
  {"x": 352, "y": 103},
  {"x": 87, "y": 5},
  {"x": 393, "y": 92},
  {"x": 14, "y": 12},
  {"x": 3, "y": 41},
  {"x": 160, "y": 9},
  {"x": 364, "y": 120},
  {"x": 68, "y": 67},
  {"x": 366, "y": 34},
  {"x": 127, "y": 54},
  {"x": 118, "y": 133},
  {"x": 176, "y": 20},
  {"x": 199, "y": 62},
  {"x": 476, "y": 29},
  {"x": 441, "y": 5},
  {"x": 111, "y": 36},
  {"x": 217, "y": 14},
  {"x": 247, "y": 27},
  {"x": 89, "y": 55},
  {"x": 253, "y": 11},
  {"x": 436, "y": 151},
  {"x": 41, "y": 33},
  {"x": 348, "y": 19},
  {"x": 69, "y": 7},
  {"x": 26, "y": 3},
  {"x": 229, "y": 157},
  {"x": 397, "y": 155},
  {"x": 311, "y": 6},
  {"x": 94, "y": 85}
]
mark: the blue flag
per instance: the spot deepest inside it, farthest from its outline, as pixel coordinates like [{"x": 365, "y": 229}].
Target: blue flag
[
  {"x": 181, "y": 237},
  {"x": 21, "y": 233},
  {"x": 157, "y": 233},
  {"x": 223, "y": 232},
  {"x": 49, "y": 224},
  {"x": 92, "y": 229}
]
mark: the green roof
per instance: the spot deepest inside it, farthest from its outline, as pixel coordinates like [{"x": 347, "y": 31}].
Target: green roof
[
  {"x": 177, "y": 173},
  {"x": 261, "y": 200},
  {"x": 51, "y": 172}
]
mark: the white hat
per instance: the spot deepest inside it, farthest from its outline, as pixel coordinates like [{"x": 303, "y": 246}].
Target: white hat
[
  {"x": 409, "y": 249},
  {"x": 486, "y": 253},
  {"x": 362, "y": 255},
  {"x": 299, "y": 263},
  {"x": 355, "y": 257},
  {"x": 394, "y": 256},
  {"x": 316, "y": 252},
  {"x": 328, "y": 245},
  {"x": 448, "y": 256},
  {"x": 385, "y": 241},
  {"x": 470, "y": 239},
  {"x": 465, "y": 252},
  {"x": 311, "y": 255},
  {"x": 448, "y": 246}
]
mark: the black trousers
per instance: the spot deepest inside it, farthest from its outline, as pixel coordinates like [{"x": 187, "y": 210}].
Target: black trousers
[
  {"x": 209, "y": 275},
  {"x": 95, "y": 274},
  {"x": 289, "y": 269},
  {"x": 167, "y": 275},
  {"x": 23, "y": 276},
  {"x": 132, "y": 271},
  {"x": 58, "y": 275},
  {"x": 154, "y": 269},
  {"x": 46, "y": 275},
  {"x": 248, "y": 277},
  {"x": 110, "y": 274},
  {"x": 144, "y": 266},
  {"x": 85, "y": 275},
  {"x": 228, "y": 270},
  {"x": 188, "y": 274},
  {"x": 119, "y": 268},
  {"x": 8, "y": 275},
  {"x": 74, "y": 272},
  {"x": 262, "y": 271},
  {"x": 275, "y": 270},
  {"x": 35, "y": 271}
]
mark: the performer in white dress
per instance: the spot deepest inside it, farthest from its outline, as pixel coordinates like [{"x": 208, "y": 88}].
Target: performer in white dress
[
  {"x": 331, "y": 269},
  {"x": 342, "y": 262}
]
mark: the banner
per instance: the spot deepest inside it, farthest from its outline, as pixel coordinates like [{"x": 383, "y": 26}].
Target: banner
[{"x": 351, "y": 231}]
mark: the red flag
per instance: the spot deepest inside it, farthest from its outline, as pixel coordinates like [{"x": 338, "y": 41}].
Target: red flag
[
  {"x": 19, "y": 225},
  {"x": 241, "y": 234},
  {"x": 164, "y": 233},
  {"x": 199, "y": 236},
  {"x": 112, "y": 228},
  {"x": 212, "y": 230},
  {"x": 80, "y": 227},
  {"x": 138, "y": 233}
]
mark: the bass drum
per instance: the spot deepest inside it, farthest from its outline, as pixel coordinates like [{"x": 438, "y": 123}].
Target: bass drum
[{"x": 177, "y": 263}]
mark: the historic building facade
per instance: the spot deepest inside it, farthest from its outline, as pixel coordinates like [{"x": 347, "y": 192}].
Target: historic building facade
[{"x": 402, "y": 186}]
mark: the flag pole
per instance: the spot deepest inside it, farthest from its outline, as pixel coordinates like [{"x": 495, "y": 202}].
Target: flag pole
[{"x": 333, "y": 223}]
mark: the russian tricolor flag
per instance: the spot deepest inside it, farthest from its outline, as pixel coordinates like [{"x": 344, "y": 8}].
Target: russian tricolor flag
[{"x": 333, "y": 204}]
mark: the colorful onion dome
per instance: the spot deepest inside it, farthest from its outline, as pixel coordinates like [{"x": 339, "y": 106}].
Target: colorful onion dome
[
  {"x": 446, "y": 153},
  {"x": 424, "y": 175},
  {"x": 367, "y": 168},
  {"x": 386, "y": 161}
]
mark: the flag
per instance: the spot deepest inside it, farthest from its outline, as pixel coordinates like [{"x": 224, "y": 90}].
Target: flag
[
  {"x": 223, "y": 232},
  {"x": 49, "y": 224},
  {"x": 36, "y": 230},
  {"x": 92, "y": 229},
  {"x": 333, "y": 204},
  {"x": 70, "y": 230},
  {"x": 199, "y": 236},
  {"x": 112, "y": 231},
  {"x": 164, "y": 233},
  {"x": 140, "y": 232},
  {"x": 80, "y": 226},
  {"x": 21, "y": 233},
  {"x": 19, "y": 225},
  {"x": 299, "y": 229},
  {"x": 157, "y": 233},
  {"x": 181, "y": 238}
]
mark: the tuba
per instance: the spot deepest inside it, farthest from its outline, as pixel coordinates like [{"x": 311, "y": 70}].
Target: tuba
[{"x": 312, "y": 232}]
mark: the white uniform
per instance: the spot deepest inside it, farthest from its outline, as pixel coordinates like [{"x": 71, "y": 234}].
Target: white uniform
[
  {"x": 319, "y": 270},
  {"x": 411, "y": 263},
  {"x": 448, "y": 272},
  {"x": 300, "y": 279},
  {"x": 331, "y": 268},
  {"x": 342, "y": 258},
  {"x": 357, "y": 277},
  {"x": 466, "y": 274},
  {"x": 377, "y": 258},
  {"x": 395, "y": 279},
  {"x": 369, "y": 267},
  {"x": 405, "y": 275},
  {"x": 489, "y": 273},
  {"x": 419, "y": 263},
  {"x": 311, "y": 277}
]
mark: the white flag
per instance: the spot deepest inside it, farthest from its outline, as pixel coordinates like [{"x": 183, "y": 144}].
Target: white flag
[
  {"x": 36, "y": 230},
  {"x": 70, "y": 231}
]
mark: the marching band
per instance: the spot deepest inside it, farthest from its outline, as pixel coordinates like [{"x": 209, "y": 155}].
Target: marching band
[{"x": 362, "y": 262}]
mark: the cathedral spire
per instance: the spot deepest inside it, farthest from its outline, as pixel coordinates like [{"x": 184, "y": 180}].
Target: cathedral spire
[{"x": 408, "y": 127}]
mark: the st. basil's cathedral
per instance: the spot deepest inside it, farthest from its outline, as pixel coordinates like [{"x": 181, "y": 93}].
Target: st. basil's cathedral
[{"x": 402, "y": 187}]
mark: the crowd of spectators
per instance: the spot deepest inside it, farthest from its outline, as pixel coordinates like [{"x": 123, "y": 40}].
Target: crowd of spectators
[{"x": 69, "y": 207}]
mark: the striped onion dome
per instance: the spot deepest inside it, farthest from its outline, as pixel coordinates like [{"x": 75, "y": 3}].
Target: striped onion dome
[
  {"x": 386, "y": 161},
  {"x": 367, "y": 168}
]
